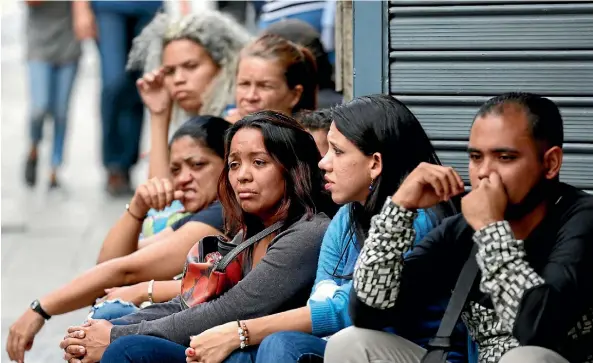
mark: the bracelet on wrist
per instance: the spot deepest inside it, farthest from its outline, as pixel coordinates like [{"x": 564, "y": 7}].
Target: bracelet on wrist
[
  {"x": 243, "y": 334},
  {"x": 150, "y": 289},
  {"x": 139, "y": 219}
]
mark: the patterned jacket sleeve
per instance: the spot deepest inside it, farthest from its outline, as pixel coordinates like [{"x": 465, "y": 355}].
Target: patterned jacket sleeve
[
  {"x": 379, "y": 266},
  {"x": 505, "y": 274},
  {"x": 539, "y": 308}
]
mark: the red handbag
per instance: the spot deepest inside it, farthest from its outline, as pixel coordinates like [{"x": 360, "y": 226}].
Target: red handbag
[{"x": 213, "y": 266}]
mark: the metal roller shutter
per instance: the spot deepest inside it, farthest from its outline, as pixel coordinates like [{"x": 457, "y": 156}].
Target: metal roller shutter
[{"x": 447, "y": 57}]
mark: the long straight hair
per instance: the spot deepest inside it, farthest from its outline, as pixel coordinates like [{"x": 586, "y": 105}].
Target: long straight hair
[
  {"x": 294, "y": 150},
  {"x": 382, "y": 124}
]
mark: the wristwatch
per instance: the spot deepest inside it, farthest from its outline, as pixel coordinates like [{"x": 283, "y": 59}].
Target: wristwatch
[{"x": 36, "y": 307}]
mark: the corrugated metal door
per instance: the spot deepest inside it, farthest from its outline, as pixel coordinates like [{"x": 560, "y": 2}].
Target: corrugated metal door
[{"x": 448, "y": 57}]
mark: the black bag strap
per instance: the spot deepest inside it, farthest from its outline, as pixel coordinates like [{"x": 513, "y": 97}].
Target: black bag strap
[
  {"x": 223, "y": 263},
  {"x": 440, "y": 345}
]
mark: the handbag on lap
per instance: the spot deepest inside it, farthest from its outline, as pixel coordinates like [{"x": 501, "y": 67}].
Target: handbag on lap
[{"x": 214, "y": 265}]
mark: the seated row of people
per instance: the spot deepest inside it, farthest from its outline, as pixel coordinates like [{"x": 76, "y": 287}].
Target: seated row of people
[
  {"x": 186, "y": 57},
  {"x": 400, "y": 302},
  {"x": 265, "y": 170}
]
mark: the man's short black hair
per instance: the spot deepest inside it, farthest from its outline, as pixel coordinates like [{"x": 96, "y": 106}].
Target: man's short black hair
[
  {"x": 543, "y": 115},
  {"x": 315, "y": 120}
]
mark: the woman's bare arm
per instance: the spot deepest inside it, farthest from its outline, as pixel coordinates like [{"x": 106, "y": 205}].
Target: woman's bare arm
[
  {"x": 163, "y": 291},
  {"x": 160, "y": 261},
  {"x": 291, "y": 320},
  {"x": 122, "y": 238},
  {"x": 158, "y": 162},
  {"x": 143, "y": 243}
]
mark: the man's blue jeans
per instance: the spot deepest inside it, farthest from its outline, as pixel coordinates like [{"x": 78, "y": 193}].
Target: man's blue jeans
[
  {"x": 122, "y": 111},
  {"x": 50, "y": 86},
  {"x": 280, "y": 347}
]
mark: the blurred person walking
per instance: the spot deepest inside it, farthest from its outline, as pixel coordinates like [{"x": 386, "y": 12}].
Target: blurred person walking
[
  {"x": 114, "y": 24},
  {"x": 320, "y": 14},
  {"x": 52, "y": 62}
]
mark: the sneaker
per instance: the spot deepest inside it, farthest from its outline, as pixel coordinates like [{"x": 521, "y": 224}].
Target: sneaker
[
  {"x": 54, "y": 184},
  {"x": 118, "y": 185},
  {"x": 31, "y": 171}
]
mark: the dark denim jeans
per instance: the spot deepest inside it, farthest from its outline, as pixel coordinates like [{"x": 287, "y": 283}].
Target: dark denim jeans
[
  {"x": 143, "y": 349},
  {"x": 283, "y": 347},
  {"x": 122, "y": 111}
]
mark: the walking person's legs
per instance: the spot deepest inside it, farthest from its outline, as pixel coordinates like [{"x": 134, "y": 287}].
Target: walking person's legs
[
  {"x": 112, "y": 44},
  {"x": 39, "y": 73},
  {"x": 132, "y": 108},
  {"x": 62, "y": 82}
]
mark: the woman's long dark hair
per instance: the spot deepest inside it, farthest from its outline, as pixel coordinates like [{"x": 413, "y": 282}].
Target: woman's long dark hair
[
  {"x": 295, "y": 151},
  {"x": 382, "y": 124}
]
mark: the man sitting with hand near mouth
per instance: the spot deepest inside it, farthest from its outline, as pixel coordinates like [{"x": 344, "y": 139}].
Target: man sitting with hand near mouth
[{"x": 533, "y": 298}]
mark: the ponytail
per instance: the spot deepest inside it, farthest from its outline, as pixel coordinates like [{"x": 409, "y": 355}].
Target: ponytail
[
  {"x": 310, "y": 83},
  {"x": 300, "y": 67}
]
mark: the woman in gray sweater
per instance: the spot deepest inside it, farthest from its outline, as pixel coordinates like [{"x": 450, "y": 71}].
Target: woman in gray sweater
[{"x": 265, "y": 180}]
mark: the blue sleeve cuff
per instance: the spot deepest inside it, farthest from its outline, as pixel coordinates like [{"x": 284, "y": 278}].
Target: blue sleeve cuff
[
  {"x": 329, "y": 316},
  {"x": 324, "y": 320}
]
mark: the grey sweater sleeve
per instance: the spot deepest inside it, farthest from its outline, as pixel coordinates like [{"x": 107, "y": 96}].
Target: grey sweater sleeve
[
  {"x": 151, "y": 312},
  {"x": 288, "y": 267}
]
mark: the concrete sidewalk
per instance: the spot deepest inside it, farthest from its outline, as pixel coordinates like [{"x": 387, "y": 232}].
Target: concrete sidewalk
[{"x": 47, "y": 238}]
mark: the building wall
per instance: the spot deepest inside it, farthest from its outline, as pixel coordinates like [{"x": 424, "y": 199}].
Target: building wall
[{"x": 444, "y": 58}]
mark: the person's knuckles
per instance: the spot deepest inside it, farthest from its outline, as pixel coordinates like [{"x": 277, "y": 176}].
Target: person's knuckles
[{"x": 73, "y": 349}]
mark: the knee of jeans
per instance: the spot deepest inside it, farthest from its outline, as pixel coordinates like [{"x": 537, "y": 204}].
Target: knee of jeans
[
  {"x": 38, "y": 113},
  {"x": 111, "y": 309},
  {"x": 277, "y": 340},
  {"x": 279, "y": 347},
  {"x": 531, "y": 354},
  {"x": 117, "y": 351},
  {"x": 112, "y": 87},
  {"x": 60, "y": 115}
]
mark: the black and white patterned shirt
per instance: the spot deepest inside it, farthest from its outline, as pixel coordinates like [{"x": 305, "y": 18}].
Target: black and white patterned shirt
[{"x": 533, "y": 292}]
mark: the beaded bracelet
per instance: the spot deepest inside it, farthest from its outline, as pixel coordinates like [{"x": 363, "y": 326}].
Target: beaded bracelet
[{"x": 243, "y": 334}]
